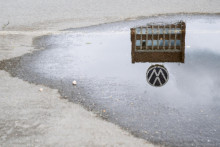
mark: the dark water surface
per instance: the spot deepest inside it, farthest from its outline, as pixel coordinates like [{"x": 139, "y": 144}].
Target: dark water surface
[{"x": 184, "y": 112}]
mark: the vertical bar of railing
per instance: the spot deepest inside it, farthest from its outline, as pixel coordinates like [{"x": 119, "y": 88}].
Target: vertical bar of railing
[
  {"x": 152, "y": 39},
  {"x": 158, "y": 38},
  {"x": 181, "y": 32},
  {"x": 164, "y": 37},
  {"x": 141, "y": 39},
  {"x": 135, "y": 38},
  {"x": 175, "y": 38},
  {"x": 146, "y": 38},
  {"x": 169, "y": 36}
]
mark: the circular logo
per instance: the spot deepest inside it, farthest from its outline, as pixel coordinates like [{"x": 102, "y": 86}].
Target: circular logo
[{"x": 157, "y": 75}]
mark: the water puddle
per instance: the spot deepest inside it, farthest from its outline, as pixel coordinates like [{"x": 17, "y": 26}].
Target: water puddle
[{"x": 114, "y": 73}]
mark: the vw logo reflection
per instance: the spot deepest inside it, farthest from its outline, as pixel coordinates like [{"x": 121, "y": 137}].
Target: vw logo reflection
[{"x": 157, "y": 75}]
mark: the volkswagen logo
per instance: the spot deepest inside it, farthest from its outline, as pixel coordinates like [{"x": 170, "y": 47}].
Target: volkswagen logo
[{"x": 157, "y": 75}]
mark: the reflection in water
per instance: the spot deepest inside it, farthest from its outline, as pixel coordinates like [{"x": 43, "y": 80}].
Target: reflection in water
[
  {"x": 158, "y": 43},
  {"x": 157, "y": 75}
]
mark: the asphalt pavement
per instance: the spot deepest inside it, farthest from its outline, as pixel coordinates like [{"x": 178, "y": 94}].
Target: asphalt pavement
[{"x": 183, "y": 112}]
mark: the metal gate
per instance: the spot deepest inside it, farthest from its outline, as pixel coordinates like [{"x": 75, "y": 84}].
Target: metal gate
[{"x": 158, "y": 43}]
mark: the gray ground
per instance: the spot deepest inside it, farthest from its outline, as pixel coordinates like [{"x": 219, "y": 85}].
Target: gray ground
[
  {"x": 182, "y": 113},
  {"x": 30, "y": 15},
  {"x": 30, "y": 117}
]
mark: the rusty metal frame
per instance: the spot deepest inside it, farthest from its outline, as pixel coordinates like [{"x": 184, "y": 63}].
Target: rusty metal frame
[{"x": 159, "y": 53}]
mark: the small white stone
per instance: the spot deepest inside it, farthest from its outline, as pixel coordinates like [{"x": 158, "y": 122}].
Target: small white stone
[
  {"x": 41, "y": 89},
  {"x": 74, "y": 82}
]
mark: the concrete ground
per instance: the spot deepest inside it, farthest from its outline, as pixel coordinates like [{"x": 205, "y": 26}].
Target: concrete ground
[{"x": 34, "y": 115}]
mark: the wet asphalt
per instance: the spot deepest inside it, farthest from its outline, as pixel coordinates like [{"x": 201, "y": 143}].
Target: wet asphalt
[{"x": 184, "y": 112}]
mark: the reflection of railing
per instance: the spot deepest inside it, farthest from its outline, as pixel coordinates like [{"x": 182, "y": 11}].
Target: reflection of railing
[{"x": 158, "y": 43}]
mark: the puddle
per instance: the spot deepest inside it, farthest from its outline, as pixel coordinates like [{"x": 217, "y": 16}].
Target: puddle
[{"x": 183, "y": 112}]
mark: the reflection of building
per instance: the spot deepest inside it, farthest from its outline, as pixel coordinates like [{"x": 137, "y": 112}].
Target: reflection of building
[{"x": 158, "y": 43}]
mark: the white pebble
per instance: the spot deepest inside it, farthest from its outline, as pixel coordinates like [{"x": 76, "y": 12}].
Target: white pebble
[
  {"x": 41, "y": 89},
  {"x": 74, "y": 82}
]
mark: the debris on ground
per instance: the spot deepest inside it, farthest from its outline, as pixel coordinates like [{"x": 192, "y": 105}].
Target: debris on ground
[{"x": 74, "y": 82}]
